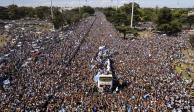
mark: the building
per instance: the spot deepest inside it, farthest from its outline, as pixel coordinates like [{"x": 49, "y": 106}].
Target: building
[
  {"x": 190, "y": 13},
  {"x": 65, "y": 8}
]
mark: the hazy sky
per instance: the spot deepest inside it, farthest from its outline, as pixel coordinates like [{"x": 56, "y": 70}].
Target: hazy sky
[{"x": 100, "y": 3}]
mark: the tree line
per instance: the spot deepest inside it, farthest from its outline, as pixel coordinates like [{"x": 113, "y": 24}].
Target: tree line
[
  {"x": 13, "y": 12},
  {"x": 169, "y": 21},
  {"x": 61, "y": 17}
]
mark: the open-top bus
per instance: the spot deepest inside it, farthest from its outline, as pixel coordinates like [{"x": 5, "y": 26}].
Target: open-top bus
[{"x": 105, "y": 82}]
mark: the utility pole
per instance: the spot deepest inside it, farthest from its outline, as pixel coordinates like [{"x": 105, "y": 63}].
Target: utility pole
[
  {"x": 52, "y": 16},
  {"x": 86, "y": 2},
  {"x": 117, "y": 5},
  {"x": 132, "y": 14},
  {"x": 178, "y": 5},
  {"x": 79, "y": 8},
  {"x": 13, "y": 2}
]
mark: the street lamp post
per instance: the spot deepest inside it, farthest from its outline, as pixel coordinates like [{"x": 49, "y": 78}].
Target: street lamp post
[
  {"x": 132, "y": 14},
  {"x": 52, "y": 16},
  {"x": 86, "y": 2},
  {"x": 117, "y": 5},
  {"x": 79, "y": 8},
  {"x": 52, "y": 10}
]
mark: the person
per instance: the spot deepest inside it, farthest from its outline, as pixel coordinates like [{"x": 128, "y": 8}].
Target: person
[{"x": 94, "y": 109}]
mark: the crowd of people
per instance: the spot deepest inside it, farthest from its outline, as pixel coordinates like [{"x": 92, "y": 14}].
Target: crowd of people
[{"x": 50, "y": 70}]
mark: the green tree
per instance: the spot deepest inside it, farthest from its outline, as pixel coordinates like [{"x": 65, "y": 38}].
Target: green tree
[
  {"x": 84, "y": 15},
  {"x": 127, "y": 9},
  {"x": 74, "y": 15},
  {"x": 126, "y": 30},
  {"x": 164, "y": 28},
  {"x": 123, "y": 29},
  {"x": 148, "y": 14},
  {"x": 22, "y": 12},
  {"x": 71, "y": 16},
  {"x": 192, "y": 40},
  {"x": 167, "y": 22},
  {"x": 190, "y": 21},
  {"x": 43, "y": 12},
  {"x": 177, "y": 13},
  {"x": 27, "y": 11},
  {"x": 164, "y": 16},
  {"x": 13, "y": 11},
  {"x": 180, "y": 15},
  {"x": 176, "y": 26},
  {"x": 4, "y": 13},
  {"x": 109, "y": 11},
  {"x": 58, "y": 19},
  {"x": 120, "y": 19},
  {"x": 87, "y": 9}
]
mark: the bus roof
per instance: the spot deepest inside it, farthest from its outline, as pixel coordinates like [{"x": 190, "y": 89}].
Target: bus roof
[{"x": 107, "y": 75}]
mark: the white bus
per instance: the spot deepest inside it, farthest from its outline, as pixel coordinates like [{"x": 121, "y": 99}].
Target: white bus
[{"x": 105, "y": 82}]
